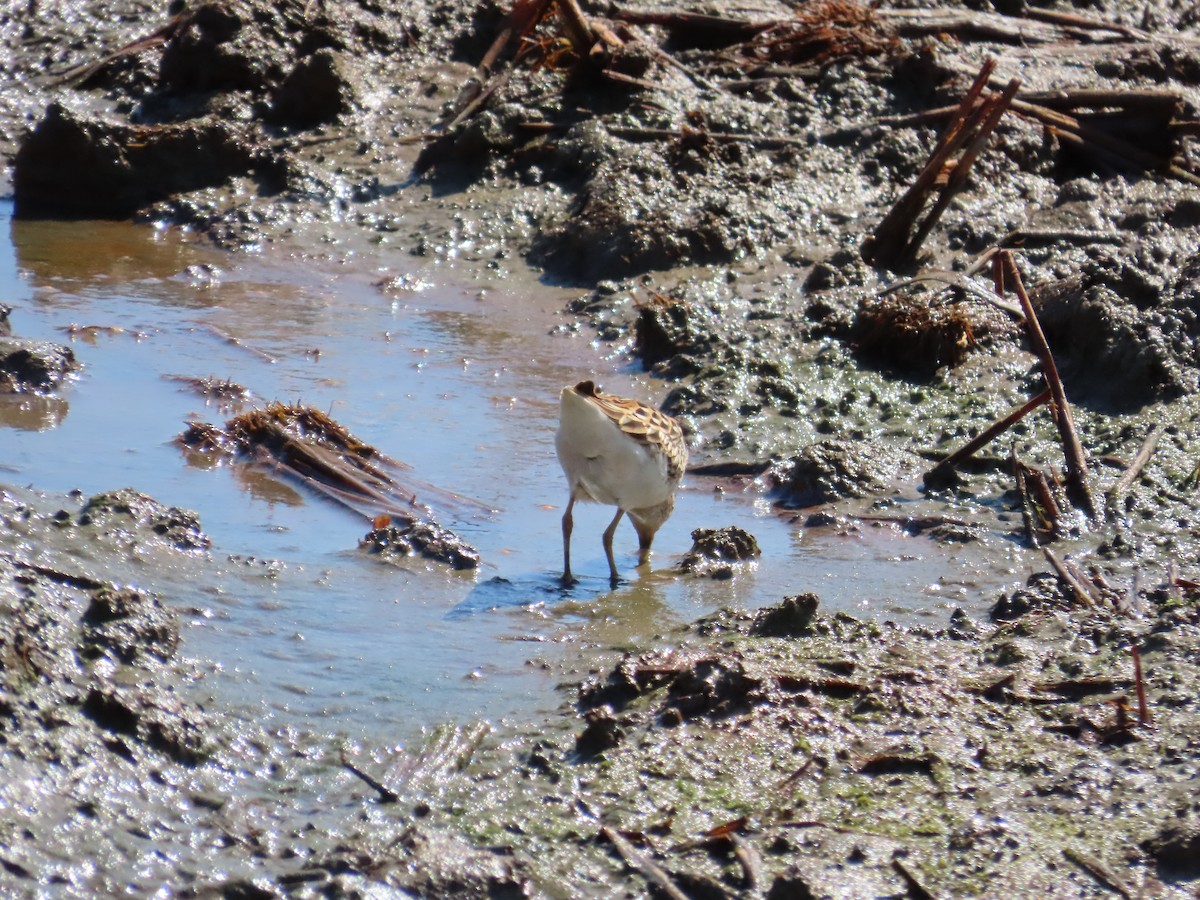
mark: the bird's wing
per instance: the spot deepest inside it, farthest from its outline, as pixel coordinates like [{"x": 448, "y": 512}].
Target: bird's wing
[{"x": 647, "y": 424}]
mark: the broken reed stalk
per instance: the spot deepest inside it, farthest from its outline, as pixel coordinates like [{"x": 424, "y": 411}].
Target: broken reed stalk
[
  {"x": 990, "y": 112},
  {"x": 750, "y": 861},
  {"x": 1144, "y": 717},
  {"x": 1046, "y": 502},
  {"x": 524, "y": 15},
  {"x": 1112, "y": 148},
  {"x": 942, "y": 470},
  {"x": 916, "y": 890},
  {"x": 885, "y": 245},
  {"x": 575, "y": 23},
  {"x": 1027, "y": 515},
  {"x": 386, "y": 795},
  {"x": 1101, "y": 873},
  {"x": 1077, "y": 477}
]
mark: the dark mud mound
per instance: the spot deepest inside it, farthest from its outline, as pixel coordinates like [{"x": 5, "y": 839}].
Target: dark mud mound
[
  {"x": 119, "y": 515},
  {"x": 834, "y": 470},
  {"x": 79, "y": 166},
  {"x": 33, "y": 366},
  {"x": 90, "y": 657},
  {"x": 421, "y": 539},
  {"x": 1126, "y": 329},
  {"x": 228, "y": 73},
  {"x": 720, "y": 552}
]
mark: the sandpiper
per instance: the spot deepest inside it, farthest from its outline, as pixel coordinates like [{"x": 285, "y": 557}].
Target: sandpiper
[{"x": 621, "y": 453}]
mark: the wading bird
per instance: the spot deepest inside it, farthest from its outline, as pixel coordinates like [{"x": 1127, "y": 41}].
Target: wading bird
[{"x": 621, "y": 453}]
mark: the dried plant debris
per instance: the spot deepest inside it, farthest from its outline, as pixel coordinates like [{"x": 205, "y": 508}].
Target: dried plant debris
[
  {"x": 822, "y": 32},
  {"x": 912, "y": 335},
  {"x": 311, "y": 448},
  {"x": 222, "y": 391}
]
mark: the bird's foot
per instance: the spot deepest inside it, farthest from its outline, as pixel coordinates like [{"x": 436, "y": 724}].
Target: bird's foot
[{"x": 568, "y": 580}]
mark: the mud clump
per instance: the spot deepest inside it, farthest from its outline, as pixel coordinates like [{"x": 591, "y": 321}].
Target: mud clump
[
  {"x": 1119, "y": 351},
  {"x": 602, "y": 732},
  {"x": 838, "y": 469},
  {"x": 719, "y": 552},
  {"x": 1176, "y": 848},
  {"x": 128, "y": 623},
  {"x": 73, "y": 648},
  {"x": 120, "y": 514},
  {"x": 33, "y": 366},
  {"x": 425, "y": 539},
  {"x": 1043, "y": 593},
  {"x": 794, "y": 616},
  {"x": 316, "y": 91}
]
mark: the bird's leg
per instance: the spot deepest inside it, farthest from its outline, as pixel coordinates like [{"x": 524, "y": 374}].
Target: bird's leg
[
  {"x": 608, "y": 539},
  {"x": 568, "y": 523}
]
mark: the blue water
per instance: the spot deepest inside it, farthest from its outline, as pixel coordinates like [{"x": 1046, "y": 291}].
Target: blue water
[{"x": 460, "y": 381}]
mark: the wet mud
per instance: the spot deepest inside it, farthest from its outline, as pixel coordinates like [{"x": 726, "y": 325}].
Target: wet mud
[{"x": 793, "y": 217}]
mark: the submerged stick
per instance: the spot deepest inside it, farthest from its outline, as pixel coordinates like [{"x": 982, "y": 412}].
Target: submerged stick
[
  {"x": 993, "y": 431},
  {"x": 1027, "y": 517},
  {"x": 385, "y": 794},
  {"x": 1077, "y": 477}
]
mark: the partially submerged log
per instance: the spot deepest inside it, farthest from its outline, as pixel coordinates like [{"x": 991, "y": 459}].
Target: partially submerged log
[{"x": 307, "y": 446}]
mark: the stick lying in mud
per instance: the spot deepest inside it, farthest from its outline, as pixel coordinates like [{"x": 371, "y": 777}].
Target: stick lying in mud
[
  {"x": 385, "y": 795},
  {"x": 642, "y": 863},
  {"x": 1040, "y": 508},
  {"x": 941, "y": 472},
  {"x": 916, "y": 890},
  {"x": 1144, "y": 717},
  {"x": 1130, "y": 475},
  {"x": 1077, "y": 473},
  {"x": 1100, "y": 872},
  {"x": 1072, "y": 579}
]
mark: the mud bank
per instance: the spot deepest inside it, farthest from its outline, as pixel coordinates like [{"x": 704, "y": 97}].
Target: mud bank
[
  {"x": 711, "y": 183},
  {"x": 783, "y": 753}
]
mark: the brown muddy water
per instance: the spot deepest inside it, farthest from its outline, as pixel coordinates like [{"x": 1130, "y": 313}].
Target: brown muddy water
[{"x": 457, "y": 379}]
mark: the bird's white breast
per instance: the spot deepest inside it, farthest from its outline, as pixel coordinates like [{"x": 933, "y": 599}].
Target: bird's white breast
[{"x": 604, "y": 464}]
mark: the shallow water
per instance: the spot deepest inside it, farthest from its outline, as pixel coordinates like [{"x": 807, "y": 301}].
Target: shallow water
[{"x": 458, "y": 380}]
